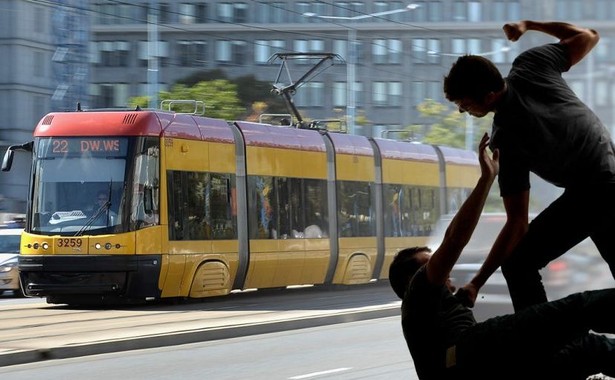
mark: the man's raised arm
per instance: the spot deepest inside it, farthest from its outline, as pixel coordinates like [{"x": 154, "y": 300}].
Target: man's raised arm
[
  {"x": 462, "y": 226},
  {"x": 580, "y": 41}
]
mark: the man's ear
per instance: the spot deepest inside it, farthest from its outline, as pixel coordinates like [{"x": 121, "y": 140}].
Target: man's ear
[{"x": 492, "y": 98}]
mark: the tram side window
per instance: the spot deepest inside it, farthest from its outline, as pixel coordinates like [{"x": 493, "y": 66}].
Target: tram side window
[
  {"x": 146, "y": 193},
  {"x": 262, "y": 208},
  {"x": 431, "y": 209},
  {"x": 394, "y": 211},
  {"x": 200, "y": 206},
  {"x": 287, "y": 208},
  {"x": 355, "y": 216},
  {"x": 220, "y": 206},
  {"x": 424, "y": 210},
  {"x": 315, "y": 207}
]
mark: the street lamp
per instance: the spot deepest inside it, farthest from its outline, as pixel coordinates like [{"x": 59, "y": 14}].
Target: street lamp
[
  {"x": 352, "y": 53},
  {"x": 152, "y": 53}
]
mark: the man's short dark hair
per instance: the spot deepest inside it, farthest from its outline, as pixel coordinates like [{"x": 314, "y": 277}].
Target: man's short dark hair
[
  {"x": 472, "y": 76},
  {"x": 404, "y": 266}
]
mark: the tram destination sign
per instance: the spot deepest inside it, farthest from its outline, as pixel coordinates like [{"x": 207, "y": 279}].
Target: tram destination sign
[{"x": 78, "y": 146}]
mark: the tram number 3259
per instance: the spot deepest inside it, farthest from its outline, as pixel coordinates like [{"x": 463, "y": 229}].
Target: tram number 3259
[{"x": 70, "y": 242}]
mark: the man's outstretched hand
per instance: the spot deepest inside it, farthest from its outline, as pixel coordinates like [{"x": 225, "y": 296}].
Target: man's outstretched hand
[{"x": 467, "y": 295}]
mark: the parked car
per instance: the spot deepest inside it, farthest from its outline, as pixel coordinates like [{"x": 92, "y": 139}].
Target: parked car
[
  {"x": 9, "y": 252},
  {"x": 579, "y": 269}
]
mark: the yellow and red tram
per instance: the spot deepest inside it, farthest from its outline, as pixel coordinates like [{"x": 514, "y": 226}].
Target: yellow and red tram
[{"x": 198, "y": 207}]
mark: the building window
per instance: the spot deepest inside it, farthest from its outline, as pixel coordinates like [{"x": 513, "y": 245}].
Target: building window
[
  {"x": 387, "y": 94},
  {"x": 602, "y": 92},
  {"x": 164, "y": 13},
  {"x": 39, "y": 18},
  {"x": 387, "y": 51},
  {"x": 578, "y": 87},
  {"x": 603, "y": 52},
  {"x": 339, "y": 94},
  {"x": 147, "y": 49},
  {"x": 312, "y": 94},
  {"x": 433, "y": 51},
  {"x": 505, "y": 10},
  {"x": 435, "y": 11},
  {"x": 417, "y": 93},
  {"x": 419, "y": 50},
  {"x": 270, "y": 12},
  {"x": 498, "y": 49},
  {"x": 192, "y": 53},
  {"x": 420, "y": 13},
  {"x": 570, "y": 9},
  {"x": 462, "y": 46},
  {"x": 38, "y": 64},
  {"x": 109, "y": 95},
  {"x": 359, "y": 94},
  {"x": 114, "y": 53},
  {"x": 104, "y": 13},
  {"x": 395, "y": 94},
  {"x": 341, "y": 9},
  {"x": 301, "y": 8},
  {"x": 232, "y": 12},
  {"x": 341, "y": 47},
  {"x": 434, "y": 90},
  {"x": 475, "y": 11},
  {"x": 142, "y": 12},
  {"x": 232, "y": 52},
  {"x": 264, "y": 49},
  {"x": 308, "y": 46},
  {"x": 315, "y": 8},
  {"x": 467, "y": 11},
  {"x": 187, "y": 13},
  {"x": 604, "y": 10},
  {"x": 422, "y": 90}
]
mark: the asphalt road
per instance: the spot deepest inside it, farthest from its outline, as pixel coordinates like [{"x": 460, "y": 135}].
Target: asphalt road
[{"x": 372, "y": 349}]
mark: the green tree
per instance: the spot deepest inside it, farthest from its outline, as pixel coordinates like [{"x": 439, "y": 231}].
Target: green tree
[
  {"x": 219, "y": 97},
  {"x": 249, "y": 90},
  {"x": 447, "y": 126}
]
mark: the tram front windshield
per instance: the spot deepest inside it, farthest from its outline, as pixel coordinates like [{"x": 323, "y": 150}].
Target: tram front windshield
[{"x": 80, "y": 185}]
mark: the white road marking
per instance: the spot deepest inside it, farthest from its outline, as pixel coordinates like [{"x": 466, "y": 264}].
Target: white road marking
[{"x": 314, "y": 374}]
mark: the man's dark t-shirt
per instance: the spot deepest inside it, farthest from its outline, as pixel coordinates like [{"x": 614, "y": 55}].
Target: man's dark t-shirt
[
  {"x": 432, "y": 320},
  {"x": 542, "y": 126}
]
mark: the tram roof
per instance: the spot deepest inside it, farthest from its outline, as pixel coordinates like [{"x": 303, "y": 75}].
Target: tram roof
[
  {"x": 405, "y": 150},
  {"x": 266, "y": 135},
  {"x": 133, "y": 123}
]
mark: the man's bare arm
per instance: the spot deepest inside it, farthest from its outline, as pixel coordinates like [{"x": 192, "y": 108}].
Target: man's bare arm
[
  {"x": 462, "y": 226},
  {"x": 515, "y": 227},
  {"x": 580, "y": 41}
]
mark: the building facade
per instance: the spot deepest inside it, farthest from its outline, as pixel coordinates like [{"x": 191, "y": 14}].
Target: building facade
[{"x": 394, "y": 54}]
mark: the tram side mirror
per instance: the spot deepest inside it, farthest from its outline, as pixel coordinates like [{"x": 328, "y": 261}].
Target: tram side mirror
[{"x": 7, "y": 161}]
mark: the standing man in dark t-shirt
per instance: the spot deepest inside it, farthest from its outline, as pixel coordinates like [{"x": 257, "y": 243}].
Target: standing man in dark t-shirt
[
  {"x": 540, "y": 126},
  {"x": 544, "y": 341}
]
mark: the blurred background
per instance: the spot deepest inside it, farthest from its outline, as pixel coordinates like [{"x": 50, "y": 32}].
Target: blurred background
[{"x": 109, "y": 54}]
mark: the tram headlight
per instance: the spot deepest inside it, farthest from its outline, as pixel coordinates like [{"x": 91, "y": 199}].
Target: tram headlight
[
  {"x": 97, "y": 246},
  {"x": 45, "y": 246},
  {"x": 108, "y": 246}
]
